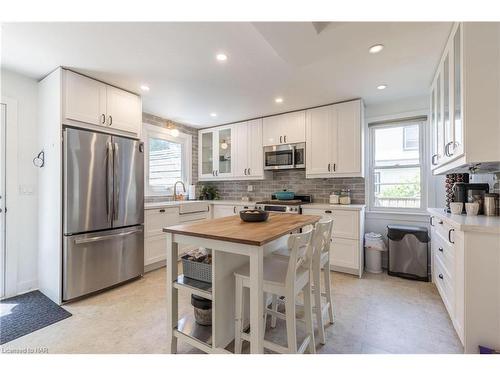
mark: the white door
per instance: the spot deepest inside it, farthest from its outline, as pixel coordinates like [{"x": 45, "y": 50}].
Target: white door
[
  {"x": 319, "y": 130},
  {"x": 344, "y": 253},
  {"x": 255, "y": 151},
  {"x": 348, "y": 156},
  {"x": 84, "y": 99},
  {"x": 294, "y": 127},
  {"x": 273, "y": 130},
  {"x": 206, "y": 162},
  {"x": 224, "y": 151},
  {"x": 3, "y": 124},
  {"x": 241, "y": 149},
  {"x": 124, "y": 110}
]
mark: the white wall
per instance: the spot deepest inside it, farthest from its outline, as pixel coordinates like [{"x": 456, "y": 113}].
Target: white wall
[{"x": 23, "y": 217}]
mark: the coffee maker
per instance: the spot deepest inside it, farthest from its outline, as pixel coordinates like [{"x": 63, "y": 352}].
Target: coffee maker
[{"x": 469, "y": 192}]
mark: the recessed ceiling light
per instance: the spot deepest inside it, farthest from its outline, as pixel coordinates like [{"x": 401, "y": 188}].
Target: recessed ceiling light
[
  {"x": 381, "y": 87},
  {"x": 278, "y": 100},
  {"x": 376, "y": 48},
  {"x": 221, "y": 57},
  {"x": 174, "y": 132},
  {"x": 144, "y": 87},
  {"x": 213, "y": 114}
]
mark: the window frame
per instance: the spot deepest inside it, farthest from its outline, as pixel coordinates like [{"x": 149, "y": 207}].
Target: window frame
[
  {"x": 154, "y": 131},
  {"x": 405, "y": 138},
  {"x": 421, "y": 122}
]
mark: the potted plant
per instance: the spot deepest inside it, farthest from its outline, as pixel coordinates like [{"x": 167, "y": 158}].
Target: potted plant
[{"x": 209, "y": 192}]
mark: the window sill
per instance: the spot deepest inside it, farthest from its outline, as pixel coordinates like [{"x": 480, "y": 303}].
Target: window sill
[{"x": 419, "y": 216}]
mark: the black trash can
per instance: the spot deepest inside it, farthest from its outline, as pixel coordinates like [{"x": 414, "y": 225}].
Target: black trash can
[{"x": 408, "y": 252}]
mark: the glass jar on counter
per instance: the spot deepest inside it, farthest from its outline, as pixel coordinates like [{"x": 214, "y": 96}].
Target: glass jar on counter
[
  {"x": 334, "y": 197},
  {"x": 345, "y": 196}
]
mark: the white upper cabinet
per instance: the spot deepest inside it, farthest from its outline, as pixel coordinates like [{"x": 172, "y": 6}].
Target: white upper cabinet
[
  {"x": 249, "y": 153},
  {"x": 216, "y": 153},
  {"x": 334, "y": 140},
  {"x": 233, "y": 151},
  {"x": 124, "y": 110},
  {"x": 84, "y": 99},
  {"x": 284, "y": 129},
  {"x": 92, "y": 102},
  {"x": 464, "y": 114}
]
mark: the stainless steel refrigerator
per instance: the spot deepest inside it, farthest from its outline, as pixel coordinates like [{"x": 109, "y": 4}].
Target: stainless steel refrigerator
[{"x": 103, "y": 211}]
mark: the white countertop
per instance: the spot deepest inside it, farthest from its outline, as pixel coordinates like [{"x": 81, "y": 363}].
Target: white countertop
[
  {"x": 164, "y": 204},
  {"x": 479, "y": 223},
  {"x": 328, "y": 206}
]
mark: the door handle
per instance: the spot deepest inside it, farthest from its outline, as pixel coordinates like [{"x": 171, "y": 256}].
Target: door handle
[
  {"x": 110, "y": 120},
  {"x": 280, "y": 138},
  {"x": 104, "y": 238},
  {"x": 162, "y": 210},
  {"x": 449, "y": 235},
  {"x": 103, "y": 121},
  {"x": 446, "y": 149},
  {"x": 441, "y": 276},
  {"x": 245, "y": 172},
  {"x": 430, "y": 221},
  {"x": 234, "y": 209},
  {"x": 216, "y": 172},
  {"x": 328, "y": 212},
  {"x": 328, "y": 167},
  {"x": 249, "y": 171},
  {"x": 109, "y": 180},
  {"x": 116, "y": 181},
  {"x": 334, "y": 167},
  {"x": 284, "y": 138}
]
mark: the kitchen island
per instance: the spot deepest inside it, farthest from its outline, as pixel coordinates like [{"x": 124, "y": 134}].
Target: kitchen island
[{"x": 233, "y": 243}]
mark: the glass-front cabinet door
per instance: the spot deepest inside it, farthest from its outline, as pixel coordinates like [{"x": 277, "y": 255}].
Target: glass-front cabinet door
[
  {"x": 448, "y": 130},
  {"x": 457, "y": 148},
  {"x": 224, "y": 151},
  {"x": 433, "y": 121},
  {"x": 206, "y": 154},
  {"x": 439, "y": 121}
]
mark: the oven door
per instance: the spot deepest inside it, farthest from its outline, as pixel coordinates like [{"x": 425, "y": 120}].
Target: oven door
[{"x": 279, "y": 157}]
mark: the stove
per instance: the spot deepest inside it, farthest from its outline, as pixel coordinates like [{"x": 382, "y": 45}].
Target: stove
[{"x": 292, "y": 206}]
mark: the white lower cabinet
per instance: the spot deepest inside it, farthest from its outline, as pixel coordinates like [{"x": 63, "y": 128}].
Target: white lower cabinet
[
  {"x": 465, "y": 270},
  {"x": 346, "y": 249},
  {"x": 155, "y": 241}
]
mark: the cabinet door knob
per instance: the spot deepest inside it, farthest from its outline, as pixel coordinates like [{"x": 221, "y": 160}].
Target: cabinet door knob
[
  {"x": 440, "y": 249},
  {"x": 441, "y": 276}
]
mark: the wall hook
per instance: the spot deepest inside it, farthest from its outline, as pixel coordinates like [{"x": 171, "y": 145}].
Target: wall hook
[{"x": 39, "y": 160}]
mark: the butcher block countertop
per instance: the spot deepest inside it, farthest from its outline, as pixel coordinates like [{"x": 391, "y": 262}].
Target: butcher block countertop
[{"x": 233, "y": 229}]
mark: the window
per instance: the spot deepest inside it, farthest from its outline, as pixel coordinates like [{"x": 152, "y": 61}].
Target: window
[
  {"x": 168, "y": 159},
  {"x": 396, "y": 165}
]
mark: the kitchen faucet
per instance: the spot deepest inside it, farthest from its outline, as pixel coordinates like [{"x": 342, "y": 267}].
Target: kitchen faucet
[{"x": 175, "y": 189}]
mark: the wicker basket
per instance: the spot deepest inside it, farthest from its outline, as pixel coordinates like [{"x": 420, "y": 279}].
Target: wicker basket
[{"x": 197, "y": 270}]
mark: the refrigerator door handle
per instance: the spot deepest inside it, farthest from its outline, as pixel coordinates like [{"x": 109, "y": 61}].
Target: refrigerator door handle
[
  {"x": 109, "y": 180},
  {"x": 116, "y": 179},
  {"x": 104, "y": 238}
]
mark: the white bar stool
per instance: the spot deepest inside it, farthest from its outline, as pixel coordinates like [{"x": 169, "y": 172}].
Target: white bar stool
[
  {"x": 282, "y": 277},
  {"x": 321, "y": 261}
]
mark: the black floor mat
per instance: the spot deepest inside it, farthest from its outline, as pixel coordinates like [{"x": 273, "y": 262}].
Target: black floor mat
[{"x": 27, "y": 313}]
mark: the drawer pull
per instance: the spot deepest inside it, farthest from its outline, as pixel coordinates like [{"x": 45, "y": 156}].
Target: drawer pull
[
  {"x": 440, "y": 249},
  {"x": 162, "y": 210},
  {"x": 441, "y": 276},
  {"x": 328, "y": 211},
  {"x": 440, "y": 222},
  {"x": 449, "y": 235},
  {"x": 430, "y": 221}
]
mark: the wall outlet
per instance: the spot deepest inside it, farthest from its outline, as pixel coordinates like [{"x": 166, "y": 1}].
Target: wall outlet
[{"x": 250, "y": 188}]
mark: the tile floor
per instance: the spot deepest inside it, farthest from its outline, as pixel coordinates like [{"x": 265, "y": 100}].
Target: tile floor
[{"x": 375, "y": 314}]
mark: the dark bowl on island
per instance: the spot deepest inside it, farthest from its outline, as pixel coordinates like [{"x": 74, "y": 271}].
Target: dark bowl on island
[{"x": 254, "y": 215}]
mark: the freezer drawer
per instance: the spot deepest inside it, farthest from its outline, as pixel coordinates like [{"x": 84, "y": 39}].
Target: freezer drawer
[{"x": 98, "y": 260}]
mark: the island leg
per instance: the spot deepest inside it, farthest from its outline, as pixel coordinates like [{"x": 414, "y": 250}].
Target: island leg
[
  {"x": 172, "y": 297},
  {"x": 256, "y": 301}
]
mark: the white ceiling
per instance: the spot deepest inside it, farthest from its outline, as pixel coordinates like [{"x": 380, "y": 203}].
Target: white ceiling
[{"x": 306, "y": 63}]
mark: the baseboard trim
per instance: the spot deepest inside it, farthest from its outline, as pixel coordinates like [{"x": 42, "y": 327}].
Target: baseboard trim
[{"x": 155, "y": 266}]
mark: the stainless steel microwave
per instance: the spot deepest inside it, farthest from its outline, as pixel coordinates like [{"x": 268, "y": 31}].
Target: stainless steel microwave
[{"x": 290, "y": 156}]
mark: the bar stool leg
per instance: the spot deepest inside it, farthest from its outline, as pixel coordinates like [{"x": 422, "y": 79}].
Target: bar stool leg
[
  {"x": 291, "y": 325},
  {"x": 328, "y": 289},
  {"x": 274, "y": 307},
  {"x": 308, "y": 317},
  {"x": 238, "y": 312},
  {"x": 318, "y": 308}
]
